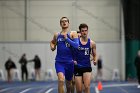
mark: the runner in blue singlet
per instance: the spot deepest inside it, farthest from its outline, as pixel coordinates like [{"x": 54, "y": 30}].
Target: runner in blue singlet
[
  {"x": 64, "y": 65},
  {"x": 83, "y": 68}
]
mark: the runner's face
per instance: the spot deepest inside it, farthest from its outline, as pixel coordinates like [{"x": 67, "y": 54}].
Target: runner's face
[
  {"x": 84, "y": 32},
  {"x": 64, "y": 23}
]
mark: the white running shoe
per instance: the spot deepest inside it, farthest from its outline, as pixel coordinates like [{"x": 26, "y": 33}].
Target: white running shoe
[{"x": 138, "y": 86}]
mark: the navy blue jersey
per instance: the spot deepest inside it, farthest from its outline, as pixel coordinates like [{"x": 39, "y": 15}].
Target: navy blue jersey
[
  {"x": 64, "y": 53},
  {"x": 82, "y": 55}
]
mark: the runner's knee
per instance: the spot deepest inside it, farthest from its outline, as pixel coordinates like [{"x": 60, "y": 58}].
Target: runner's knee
[{"x": 61, "y": 82}]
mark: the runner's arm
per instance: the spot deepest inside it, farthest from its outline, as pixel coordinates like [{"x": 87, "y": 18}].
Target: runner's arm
[{"x": 53, "y": 42}]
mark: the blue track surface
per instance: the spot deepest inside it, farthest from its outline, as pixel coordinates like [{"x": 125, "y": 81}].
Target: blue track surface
[{"x": 51, "y": 87}]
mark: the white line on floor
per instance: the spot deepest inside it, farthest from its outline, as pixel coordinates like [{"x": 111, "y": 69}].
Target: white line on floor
[
  {"x": 96, "y": 90},
  {"x": 123, "y": 90},
  {"x": 119, "y": 85},
  {"x": 2, "y": 90},
  {"x": 48, "y": 91},
  {"x": 25, "y": 90}
]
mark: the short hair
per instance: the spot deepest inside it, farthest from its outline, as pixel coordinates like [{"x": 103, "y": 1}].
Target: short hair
[
  {"x": 63, "y": 18},
  {"x": 83, "y": 25}
]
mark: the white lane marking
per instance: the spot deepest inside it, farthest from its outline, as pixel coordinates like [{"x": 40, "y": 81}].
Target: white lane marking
[
  {"x": 5, "y": 89},
  {"x": 25, "y": 90},
  {"x": 48, "y": 91},
  {"x": 96, "y": 90},
  {"x": 115, "y": 85},
  {"x": 119, "y": 85},
  {"x": 123, "y": 90},
  {"x": 2, "y": 90}
]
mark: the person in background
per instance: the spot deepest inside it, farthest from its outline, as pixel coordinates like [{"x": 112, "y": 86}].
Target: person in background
[
  {"x": 137, "y": 64},
  {"x": 37, "y": 66},
  {"x": 24, "y": 72},
  {"x": 9, "y": 65},
  {"x": 99, "y": 68}
]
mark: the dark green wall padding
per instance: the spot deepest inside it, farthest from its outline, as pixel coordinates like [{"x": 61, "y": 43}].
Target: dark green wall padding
[{"x": 132, "y": 47}]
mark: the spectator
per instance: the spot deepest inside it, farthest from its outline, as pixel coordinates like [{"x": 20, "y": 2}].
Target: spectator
[
  {"x": 9, "y": 65},
  {"x": 99, "y": 68},
  {"x": 37, "y": 66},
  {"x": 23, "y": 62},
  {"x": 137, "y": 64}
]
